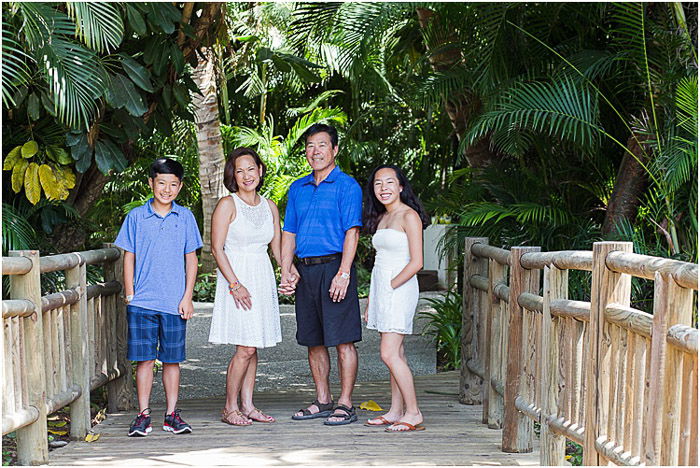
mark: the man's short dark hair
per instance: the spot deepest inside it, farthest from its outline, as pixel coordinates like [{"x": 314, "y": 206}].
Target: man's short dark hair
[
  {"x": 319, "y": 128},
  {"x": 166, "y": 166}
]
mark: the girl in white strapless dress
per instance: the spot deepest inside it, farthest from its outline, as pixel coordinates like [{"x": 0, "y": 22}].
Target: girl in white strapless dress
[
  {"x": 396, "y": 218},
  {"x": 391, "y": 310}
]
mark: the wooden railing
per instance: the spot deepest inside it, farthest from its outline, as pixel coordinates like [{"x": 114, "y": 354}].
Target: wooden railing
[
  {"x": 621, "y": 382},
  {"x": 59, "y": 347}
]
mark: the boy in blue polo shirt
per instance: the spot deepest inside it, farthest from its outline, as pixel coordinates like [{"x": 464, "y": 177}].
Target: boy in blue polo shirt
[{"x": 159, "y": 240}]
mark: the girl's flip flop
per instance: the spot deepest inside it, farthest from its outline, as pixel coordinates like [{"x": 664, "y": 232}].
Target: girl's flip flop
[
  {"x": 384, "y": 422},
  {"x": 410, "y": 427}
]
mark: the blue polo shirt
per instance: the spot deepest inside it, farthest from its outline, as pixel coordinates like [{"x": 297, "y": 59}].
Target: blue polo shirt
[
  {"x": 159, "y": 244},
  {"x": 320, "y": 215}
]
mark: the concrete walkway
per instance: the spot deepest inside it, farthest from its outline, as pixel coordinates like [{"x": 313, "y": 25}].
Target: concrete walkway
[{"x": 285, "y": 366}]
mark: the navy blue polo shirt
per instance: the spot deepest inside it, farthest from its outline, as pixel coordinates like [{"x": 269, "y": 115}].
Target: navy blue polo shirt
[
  {"x": 320, "y": 215},
  {"x": 159, "y": 244}
]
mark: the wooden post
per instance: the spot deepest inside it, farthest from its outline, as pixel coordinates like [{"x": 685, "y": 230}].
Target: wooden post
[
  {"x": 494, "y": 409},
  {"x": 120, "y": 392},
  {"x": 470, "y": 384},
  {"x": 553, "y": 446},
  {"x": 607, "y": 287},
  {"x": 80, "y": 408},
  {"x": 517, "y": 427},
  {"x": 32, "y": 443},
  {"x": 672, "y": 305}
]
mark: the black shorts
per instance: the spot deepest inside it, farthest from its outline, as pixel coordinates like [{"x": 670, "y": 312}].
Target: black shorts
[{"x": 320, "y": 321}]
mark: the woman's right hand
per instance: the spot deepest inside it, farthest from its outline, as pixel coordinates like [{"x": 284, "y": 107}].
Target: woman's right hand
[
  {"x": 366, "y": 314},
  {"x": 241, "y": 297}
]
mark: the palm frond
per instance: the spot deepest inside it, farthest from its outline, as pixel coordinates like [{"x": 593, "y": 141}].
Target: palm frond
[
  {"x": 318, "y": 115},
  {"x": 99, "y": 24},
  {"x": 687, "y": 104},
  {"x": 561, "y": 109},
  {"x": 76, "y": 80},
  {"x": 17, "y": 233},
  {"x": 15, "y": 68},
  {"x": 40, "y": 22},
  {"x": 294, "y": 111}
]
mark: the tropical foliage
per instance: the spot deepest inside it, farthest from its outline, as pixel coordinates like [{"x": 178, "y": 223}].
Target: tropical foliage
[
  {"x": 82, "y": 82},
  {"x": 554, "y": 124}
]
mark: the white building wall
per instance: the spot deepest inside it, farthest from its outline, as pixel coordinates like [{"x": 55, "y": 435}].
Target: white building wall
[{"x": 431, "y": 257}]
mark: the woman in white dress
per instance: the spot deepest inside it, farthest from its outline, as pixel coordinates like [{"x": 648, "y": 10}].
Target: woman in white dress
[
  {"x": 246, "y": 309},
  {"x": 396, "y": 218}
]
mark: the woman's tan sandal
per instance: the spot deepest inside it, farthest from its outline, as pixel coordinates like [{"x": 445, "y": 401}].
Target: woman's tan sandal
[
  {"x": 266, "y": 418},
  {"x": 225, "y": 417}
]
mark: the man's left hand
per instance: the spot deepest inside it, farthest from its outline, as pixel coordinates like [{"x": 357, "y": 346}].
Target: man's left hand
[
  {"x": 339, "y": 286},
  {"x": 186, "y": 309}
]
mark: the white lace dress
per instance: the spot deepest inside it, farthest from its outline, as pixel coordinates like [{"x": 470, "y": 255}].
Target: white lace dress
[
  {"x": 391, "y": 310},
  {"x": 246, "y": 248}
]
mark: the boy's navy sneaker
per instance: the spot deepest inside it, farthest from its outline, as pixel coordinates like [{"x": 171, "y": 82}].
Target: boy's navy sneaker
[
  {"x": 141, "y": 425},
  {"x": 174, "y": 423}
]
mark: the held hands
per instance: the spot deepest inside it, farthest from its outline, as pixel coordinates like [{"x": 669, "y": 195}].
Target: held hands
[
  {"x": 288, "y": 282},
  {"x": 186, "y": 308},
  {"x": 241, "y": 297},
  {"x": 339, "y": 286}
]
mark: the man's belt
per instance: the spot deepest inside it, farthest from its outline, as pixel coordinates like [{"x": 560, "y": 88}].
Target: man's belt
[{"x": 320, "y": 259}]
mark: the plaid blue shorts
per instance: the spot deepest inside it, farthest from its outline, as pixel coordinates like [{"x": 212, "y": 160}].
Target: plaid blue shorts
[{"x": 155, "y": 335}]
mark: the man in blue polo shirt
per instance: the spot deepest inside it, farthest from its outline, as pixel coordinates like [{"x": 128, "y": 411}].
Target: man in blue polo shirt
[
  {"x": 321, "y": 226},
  {"x": 159, "y": 240}
]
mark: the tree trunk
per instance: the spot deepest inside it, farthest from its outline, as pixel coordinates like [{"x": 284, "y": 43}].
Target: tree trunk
[
  {"x": 629, "y": 187},
  {"x": 461, "y": 107},
  {"x": 211, "y": 150}
]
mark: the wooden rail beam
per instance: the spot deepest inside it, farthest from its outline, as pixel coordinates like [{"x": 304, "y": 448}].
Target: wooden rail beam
[
  {"x": 497, "y": 344},
  {"x": 80, "y": 408},
  {"x": 32, "y": 444},
  {"x": 553, "y": 445},
  {"x": 120, "y": 392},
  {"x": 607, "y": 287},
  {"x": 470, "y": 384},
  {"x": 517, "y": 428}
]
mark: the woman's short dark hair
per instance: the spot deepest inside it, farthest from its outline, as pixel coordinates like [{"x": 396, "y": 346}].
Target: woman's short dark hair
[
  {"x": 166, "y": 166},
  {"x": 373, "y": 209},
  {"x": 230, "y": 168}
]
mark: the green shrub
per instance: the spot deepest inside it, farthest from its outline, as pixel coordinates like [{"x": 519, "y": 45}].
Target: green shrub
[
  {"x": 205, "y": 287},
  {"x": 445, "y": 325}
]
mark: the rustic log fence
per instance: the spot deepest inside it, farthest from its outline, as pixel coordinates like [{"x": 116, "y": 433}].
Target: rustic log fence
[
  {"x": 59, "y": 347},
  {"x": 621, "y": 382}
]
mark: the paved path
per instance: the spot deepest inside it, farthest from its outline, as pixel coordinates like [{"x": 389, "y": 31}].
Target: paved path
[
  {"x": 454, "y": 435},
  {"x": 285, "y": 366}
]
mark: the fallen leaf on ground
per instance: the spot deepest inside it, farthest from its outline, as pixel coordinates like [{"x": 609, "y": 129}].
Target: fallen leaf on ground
[
  {"x": 91, "y": 437},
  {"x": 370, "y": 405}
]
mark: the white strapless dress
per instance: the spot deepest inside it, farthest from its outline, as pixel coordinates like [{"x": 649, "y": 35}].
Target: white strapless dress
[
  {"x": 391, "y": 310},
  {"x": 246, "y": 248}
]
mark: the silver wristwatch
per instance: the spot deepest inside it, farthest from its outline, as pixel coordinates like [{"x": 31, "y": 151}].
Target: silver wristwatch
[{"x": 345, "y": 275}]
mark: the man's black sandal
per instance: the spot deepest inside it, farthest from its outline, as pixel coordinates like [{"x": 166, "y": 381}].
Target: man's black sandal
[
  {"x": 348, "y": 417},
  {"x": 324, "y": 410}
]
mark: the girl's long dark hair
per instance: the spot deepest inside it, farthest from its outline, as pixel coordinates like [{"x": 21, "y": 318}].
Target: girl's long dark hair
[{"x": 373, "y": 210}]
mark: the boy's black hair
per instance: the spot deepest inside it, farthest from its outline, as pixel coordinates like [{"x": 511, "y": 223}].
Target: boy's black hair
[
  {"x": 318, "y": 128},
  {"x": 166, "y": 166}
]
